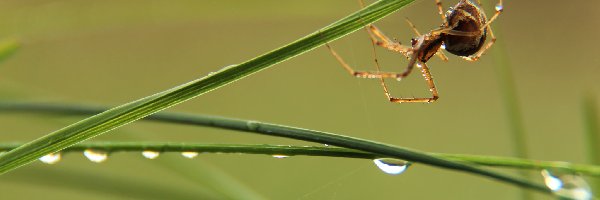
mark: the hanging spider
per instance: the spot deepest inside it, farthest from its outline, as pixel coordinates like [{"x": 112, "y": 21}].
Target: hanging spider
[{"x": 462, "y": 33}]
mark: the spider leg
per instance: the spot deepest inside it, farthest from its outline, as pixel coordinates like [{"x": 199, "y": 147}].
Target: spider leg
[
  {"x": 438, "y": 3},
  {"x": 499, "y": 8},
  {"x": 382, "y": 40},
  {"x": 430, "y": 83},
  {"x": 364, "y": 74},
  {"x": 414, "y": 28},
  {"x": 476, "y": 56}
]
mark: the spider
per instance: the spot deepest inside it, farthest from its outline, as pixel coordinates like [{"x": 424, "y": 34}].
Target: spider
[{"x": 462, "y": 33}]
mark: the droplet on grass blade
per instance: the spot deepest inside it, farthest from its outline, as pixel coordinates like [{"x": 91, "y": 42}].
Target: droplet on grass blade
[
  {"x": 391, "y": 166},
  {"x": 280, "y": 156},
  {"x": 52, "y": 158},
  {"x": 567, "y": 185},
  {"x": 189, "y": 154},
  {"x": 150, "y": 154},
  {"x": 95, "y": 156}
]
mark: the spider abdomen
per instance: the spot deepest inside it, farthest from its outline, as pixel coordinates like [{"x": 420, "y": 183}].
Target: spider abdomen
[{"x": 465, "y": 17}]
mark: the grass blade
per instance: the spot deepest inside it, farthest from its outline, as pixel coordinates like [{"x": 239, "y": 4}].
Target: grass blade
[
  {"x": 511, "y": 103},
  {"x": 592, "y": 134},
  {"x": 289, "y": 150},
  {"x": 288, "y": 132},
  {"x": 138, "y": 109}
]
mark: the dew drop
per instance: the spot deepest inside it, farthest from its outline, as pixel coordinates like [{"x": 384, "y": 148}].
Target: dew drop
[
  {"x": 280, "y": 156},
  {"x": 189, "y": 154},
  {"x": 150, "y": 154},
  {"x": 391, "y": 166},
  {"x": 326, "y": 145},
  {"x": 52, "y": 158},
  {"x": 568, "y": 185},
  {"x": 95, "y": 156},
  {"x": 443, "y": 46},
  {"x": 499, "y": 7},
  {"x": 551, "y": 182}
]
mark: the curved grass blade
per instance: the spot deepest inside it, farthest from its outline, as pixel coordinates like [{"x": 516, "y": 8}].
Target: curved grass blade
[
  {"x": 289, "y": 150},
  {"x": 138, "y": 109},
  {"x": 288, "y": 132}
]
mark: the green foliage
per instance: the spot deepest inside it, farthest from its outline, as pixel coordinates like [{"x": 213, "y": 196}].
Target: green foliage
[
  {"x": 377, "y": 148},
  {"x": 289, "y": 150},
  {"x": 138, "y": 109}
]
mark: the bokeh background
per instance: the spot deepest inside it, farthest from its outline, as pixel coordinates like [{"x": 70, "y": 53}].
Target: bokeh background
[{"x": 114, "y": 51}]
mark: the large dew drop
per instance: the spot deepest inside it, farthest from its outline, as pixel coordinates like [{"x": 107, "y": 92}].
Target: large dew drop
[
  {"x": 150, "y": 154},
  {"x": 95, "y": 156},
  {"x": 52, "y": 158},
  {"x": 391, "y": 166},
  {"x": 189, "y": 154},
  {"x": 569, "y": 186}
]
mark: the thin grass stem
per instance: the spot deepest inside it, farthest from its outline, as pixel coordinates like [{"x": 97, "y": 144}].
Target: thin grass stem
[
  {"x": 289, "y": 150},
  {"x": 127, "y": 113},
  {"x": 592, "y": 134},
  {"x": 385, "y": 150}
]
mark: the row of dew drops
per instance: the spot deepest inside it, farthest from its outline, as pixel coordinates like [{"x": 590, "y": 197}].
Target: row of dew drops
[{"x": 565, "y": 185}]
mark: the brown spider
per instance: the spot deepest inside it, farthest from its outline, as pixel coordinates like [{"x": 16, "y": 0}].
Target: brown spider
[{"x": 462, "y": 33}]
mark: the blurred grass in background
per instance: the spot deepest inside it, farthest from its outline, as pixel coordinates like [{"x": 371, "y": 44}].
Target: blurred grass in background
[{"x": 85, "y": 51}]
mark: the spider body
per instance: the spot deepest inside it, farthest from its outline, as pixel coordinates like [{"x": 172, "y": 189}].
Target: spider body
[
  {"x": 425, "y": 46},
  {"x": 463, "y": 33},
  {"x": 465, "y": 17}
]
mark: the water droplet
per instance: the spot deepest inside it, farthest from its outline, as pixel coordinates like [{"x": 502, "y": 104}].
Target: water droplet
[
  {"x": 551, "y": 182},
  {"x": 95, "y": 156},
  {"x": 443, "y": 46},
  {"x": 567, "y": 185},
  {"x": 392, "y": 166},
  {"x": 189, "y": 154},
  {"x": 326, "y": 145},
  {"x": 52, "y": 158},
  {"x": 150, "y": 154},
  {"x": 499, "y": 7},
  {"x": 280, "y": 156}
]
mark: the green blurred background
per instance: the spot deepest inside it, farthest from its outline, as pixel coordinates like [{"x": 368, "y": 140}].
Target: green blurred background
[{"x": 113, "y": 51}]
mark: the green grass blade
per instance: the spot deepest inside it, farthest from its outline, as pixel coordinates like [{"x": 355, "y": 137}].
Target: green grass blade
[
  {"x": 202, "y": 174},
  {"x": 288, "y": 132},
  {"x": 8, "y": 47},
  {"x": 511, "y": 103},
  {"x": 135, "y": 110},
  {"x": 289, "y": 150},
  {"x": 592, "y": 134},
  {"x": 590, "y": 118}
]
